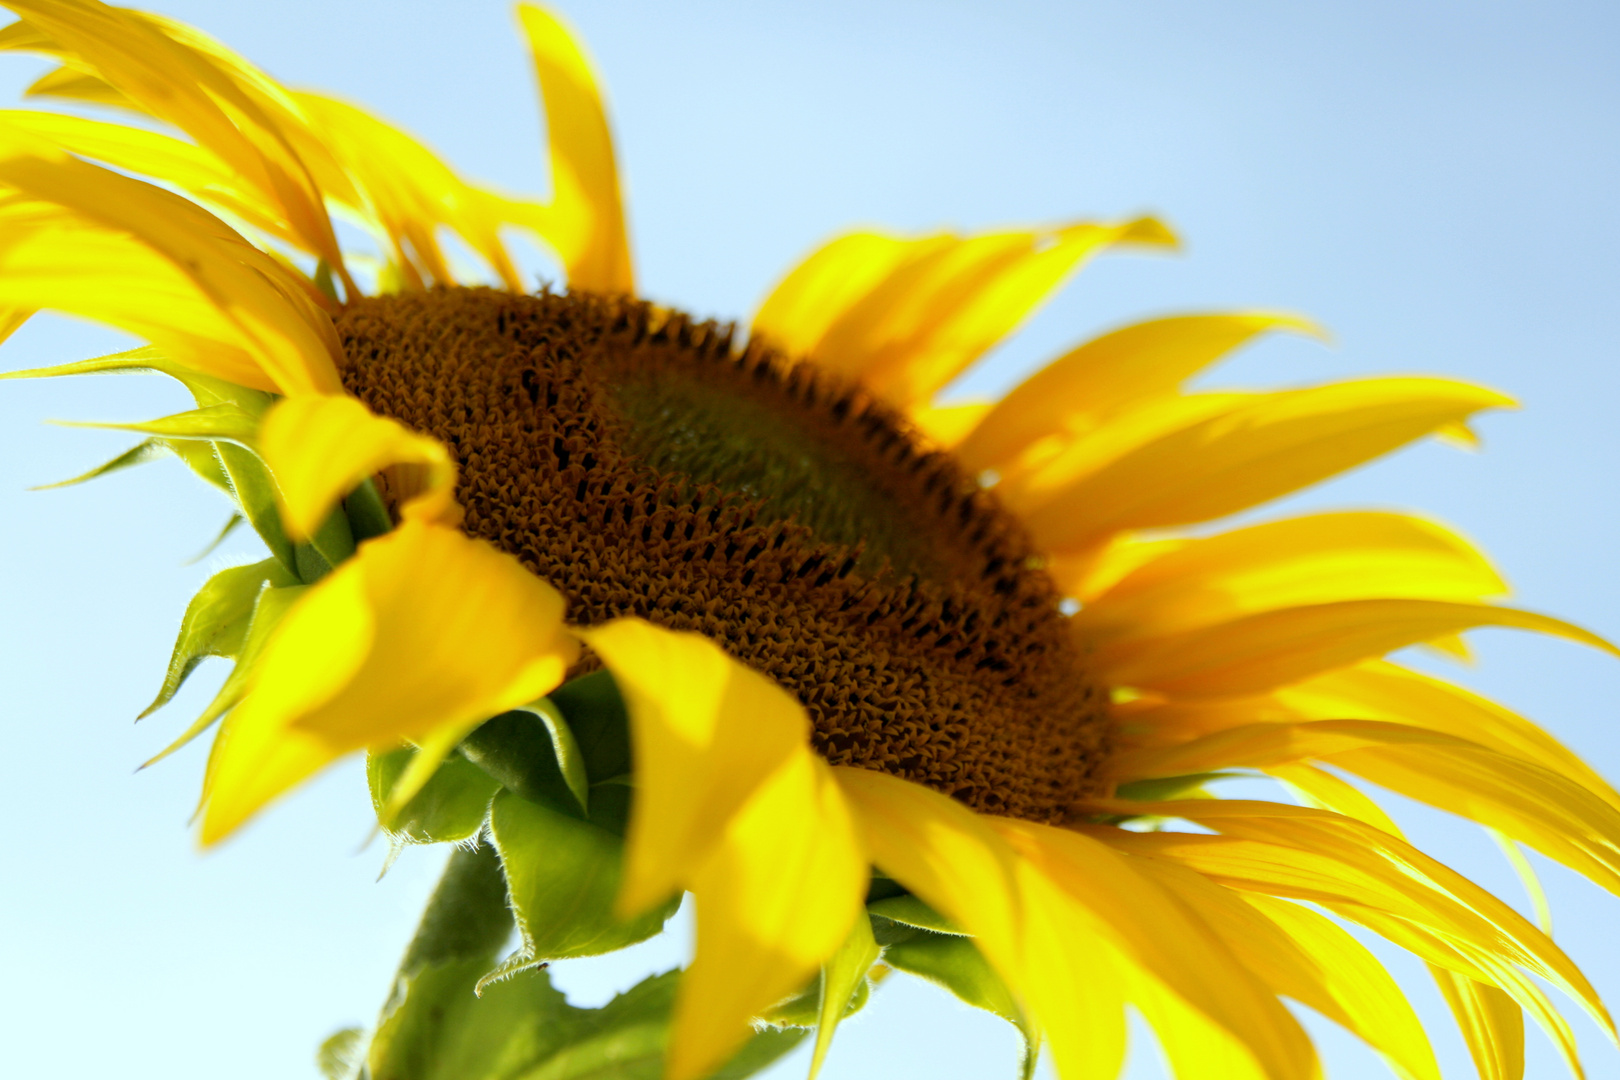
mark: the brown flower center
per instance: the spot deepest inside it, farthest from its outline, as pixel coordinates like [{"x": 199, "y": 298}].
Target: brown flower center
[{"x": 640, "y": 464}]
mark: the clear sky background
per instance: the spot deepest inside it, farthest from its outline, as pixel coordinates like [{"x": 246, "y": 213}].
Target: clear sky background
[{"x": 1435, "y": 182}]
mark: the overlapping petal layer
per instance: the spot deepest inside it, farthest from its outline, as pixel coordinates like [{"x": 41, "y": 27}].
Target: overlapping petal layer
[
  {"x": 422, "y": 635},
  {"x": 731, "y": 804},
  {"x": 1257, "y": 648}
]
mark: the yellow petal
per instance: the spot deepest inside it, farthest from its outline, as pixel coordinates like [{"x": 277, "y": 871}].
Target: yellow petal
[
  {"x": 1384, "y": 691},
  {"x": 1075, "y": 979},
  {"x": 1306, "y": 560},
  {"x": 1369, "y": 1000},
  {"x": 706, "y": 733},
  {"x": 70, "y": 85},
  {"x": 1321, "y": 789},
  {"x": 1359, "y": 872},
  {"x": 826, "y": 283},
  {"x": 409, "y": 192},
  {"x": 775, "y": 899},
  {"x": 1491, "y": 1023},
  {"x": 946, "y": 854},
  {"x": 420, "y": 636},
  {"x": 1301, "y": 955},
  {"x": 179, "y": 75},
  {"x": 1045, "y": 946},
  {"x": 585, "y": 222},
  {"x": 948, "y": 303},
  {"x": 1261, "y": 447},
  {"x": 162, "y": 157},
  {"x": 946, "y": 425},
  {"x": 259, "y": 309},
  {"x": 1085, "y": 577},
  {"x": 1274, "y": 648},
  {"x": 1516, "y": 798},
  {"x": 321, "y": 447},
  {"x": 1163, "y": 938},
  {"x": 1109, "y": 374}
]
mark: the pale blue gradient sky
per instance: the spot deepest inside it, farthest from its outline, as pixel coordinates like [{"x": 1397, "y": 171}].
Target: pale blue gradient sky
[{"x": 1435, "y": 182}]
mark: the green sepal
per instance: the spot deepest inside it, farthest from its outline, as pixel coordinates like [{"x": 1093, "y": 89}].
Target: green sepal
[
  {"x": 323, "y": 280},
  {"x": 216, "y": 622},
  {"x": 329, "y": 547},
  {"x": 451, "y": 806},
  {"x": 229, "y": 527},
  {"x": 255, "y": 492},
  {"x": 910, "y": 911},
  {"x": 803, "y": 1010},
  {"x": 520, "y": 749},
  {"x": 562, "y": 877},
  {"x": 205, "y": 389},
  {"x": 956, "y": 964},
  {"x": 367, "y": 513},
  {"x": 341, "y": 1055},
  {"x": 272, "y": 605},
  {"x": 139, "y": 454},
  {"x": 201, "y": 458},
  {"x": 225, "y": 421},
  {"x": 1162, "y": 788},
  {"x": 198, "y": 456},
  {"x": 844, "y": 986},
  {"x": 610, "y": 804},
  {"x": 565, "y": 751}
]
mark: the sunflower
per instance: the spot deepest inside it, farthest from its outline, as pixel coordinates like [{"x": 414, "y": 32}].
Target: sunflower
[{"x": 633, "y": 605}]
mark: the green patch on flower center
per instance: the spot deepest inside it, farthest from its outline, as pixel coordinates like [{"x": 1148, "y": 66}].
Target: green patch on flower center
[
  {"x": 642, "y": 465},
  {"x": 747, "y": 445}
]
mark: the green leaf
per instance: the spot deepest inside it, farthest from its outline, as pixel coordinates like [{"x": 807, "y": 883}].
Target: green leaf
[
  {"x": 1167, "y": 787},
  {"x": 563, "y": 877},
  {"x": 216, "y": 622},
  {"x": 436, "y": 1026},
  {"x": 451, "y": 806},
  {"x": 911, "y": 911},
  {"x": 272, "y": 604},
  {"x": 956, "y": 964},
  {"x": 524, "y": 1029}
]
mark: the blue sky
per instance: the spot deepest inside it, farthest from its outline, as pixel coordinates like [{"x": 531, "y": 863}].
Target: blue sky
[{"x": 1432, "y": 181}]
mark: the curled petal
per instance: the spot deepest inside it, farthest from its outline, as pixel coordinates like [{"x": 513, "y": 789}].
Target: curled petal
[
  {"x": 320, "y": 447},
  {"x": 419, "y": 637}
]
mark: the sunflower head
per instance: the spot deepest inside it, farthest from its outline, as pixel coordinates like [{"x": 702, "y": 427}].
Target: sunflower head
[{"x": 635, "y": 606}]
